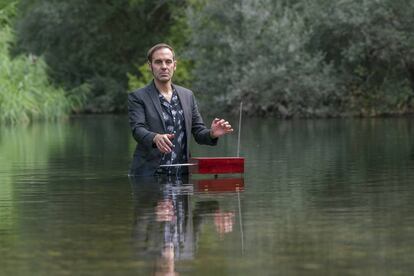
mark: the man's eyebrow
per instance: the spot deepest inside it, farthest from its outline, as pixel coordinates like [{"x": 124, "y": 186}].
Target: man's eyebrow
[{"x": 160, "y": 59}]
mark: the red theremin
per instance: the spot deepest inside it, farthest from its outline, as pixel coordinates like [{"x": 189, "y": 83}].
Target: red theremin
[{"x": 217, "y": 165}]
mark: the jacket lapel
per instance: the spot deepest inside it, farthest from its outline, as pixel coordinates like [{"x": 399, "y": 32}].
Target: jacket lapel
[
  {"x": 156, "y": 101},
  {"x": 186, "y": 105},
  {"x": 187, "y": 109}
]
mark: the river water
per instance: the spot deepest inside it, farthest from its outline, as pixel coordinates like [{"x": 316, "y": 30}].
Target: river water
[{"x": 318, "y": 197}]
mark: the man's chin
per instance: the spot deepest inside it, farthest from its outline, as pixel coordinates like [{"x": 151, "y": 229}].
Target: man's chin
[{"x": 164, "y": 80}]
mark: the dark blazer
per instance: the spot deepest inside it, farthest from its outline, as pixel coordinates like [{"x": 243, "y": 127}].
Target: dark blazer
[{"x": 145, "y": 120}]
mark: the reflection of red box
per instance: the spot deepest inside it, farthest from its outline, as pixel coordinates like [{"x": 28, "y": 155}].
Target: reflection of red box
[
  {"x": 219, "y": 185},
  {"x": 216, "y": 165}
]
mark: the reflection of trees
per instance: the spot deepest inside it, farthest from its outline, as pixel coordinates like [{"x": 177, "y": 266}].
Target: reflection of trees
[
  {"x": 22, "y": 149},
  {"x": 58, "y": 190},
  {"x": 316, "y": 198},
  {"x": 96, "y": 146},
  {"x": 77, "y": 150},
  {"x": 86, "y": 145},
  {"x": 327, "y": 192}
]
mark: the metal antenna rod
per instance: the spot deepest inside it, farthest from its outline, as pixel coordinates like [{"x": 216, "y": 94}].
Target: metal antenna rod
[
  {"x": 238, "y": 138},
  {"x": 240, "y": 222}
]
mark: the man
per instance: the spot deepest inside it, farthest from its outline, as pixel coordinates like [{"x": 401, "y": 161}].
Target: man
[{"x": 162, "y": 117}]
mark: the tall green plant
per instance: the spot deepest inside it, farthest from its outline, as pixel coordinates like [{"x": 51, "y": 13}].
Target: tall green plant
[{"x": 25, "y": 91}]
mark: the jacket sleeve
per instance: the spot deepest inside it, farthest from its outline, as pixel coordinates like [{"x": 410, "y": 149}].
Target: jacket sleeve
[
  {"x": 200, "y": 132},
  {"x": 138, "y": 120}
]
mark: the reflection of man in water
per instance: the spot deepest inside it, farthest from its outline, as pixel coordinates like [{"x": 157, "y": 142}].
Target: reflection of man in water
[
  {"x": 166, "y": 212},
  {"x": 165, "y": 265},
  {"x": 163, "y": 221},
  {"x": 174, "y": 211},
  {"x": 166, "y": 225},
  {"x": 224, "y": 222}
]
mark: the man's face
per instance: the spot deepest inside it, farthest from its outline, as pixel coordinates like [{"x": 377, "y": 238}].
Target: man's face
[{"x": 163, "y": 65}]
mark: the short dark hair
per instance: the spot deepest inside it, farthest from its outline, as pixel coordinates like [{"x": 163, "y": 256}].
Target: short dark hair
[{"x": 157, "y": 47}]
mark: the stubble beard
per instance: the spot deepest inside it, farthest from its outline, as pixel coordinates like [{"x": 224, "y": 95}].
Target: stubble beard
[{"x": 161, "y": 79}]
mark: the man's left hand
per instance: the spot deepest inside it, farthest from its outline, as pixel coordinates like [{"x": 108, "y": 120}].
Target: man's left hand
[{"x": 220, "y": 127}]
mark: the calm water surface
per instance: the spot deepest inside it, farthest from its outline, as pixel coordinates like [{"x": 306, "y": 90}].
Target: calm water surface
[{"x": 324, "y": 197}]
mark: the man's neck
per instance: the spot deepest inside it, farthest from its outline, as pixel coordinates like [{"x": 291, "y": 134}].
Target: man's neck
[{"x": 163, "y": 88}]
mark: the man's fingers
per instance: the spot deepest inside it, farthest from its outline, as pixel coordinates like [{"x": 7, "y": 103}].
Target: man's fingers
[
  {"x": 164, "y": 149},
  {"x": 220, "y": 127},
  {"x": 224, "y": 123},
  {"x": 167, "y": 141},
  {"x": 216, "y": 121},
  {"x": 163, "y": 142}
]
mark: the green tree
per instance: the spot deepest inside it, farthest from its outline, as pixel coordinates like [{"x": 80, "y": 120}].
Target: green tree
[
  {"x": 255, "y": 52},
  {"x": 94, "y": 42},
  {"x": 178, "y": 37},
  {"x": 304, "y": 58},
  {"x": 371, "y": 45}
]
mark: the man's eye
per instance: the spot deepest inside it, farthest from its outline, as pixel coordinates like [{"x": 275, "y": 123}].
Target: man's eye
[
  {"x": 157, "y": 61},
  {"x": 169, "y": 61}
]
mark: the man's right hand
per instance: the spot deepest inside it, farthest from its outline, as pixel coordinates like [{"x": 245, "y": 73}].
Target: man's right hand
[{"x": 163, "y": 142}]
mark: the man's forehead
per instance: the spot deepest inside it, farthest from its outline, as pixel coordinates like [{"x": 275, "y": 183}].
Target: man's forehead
[{"x": 163, "y": 53}]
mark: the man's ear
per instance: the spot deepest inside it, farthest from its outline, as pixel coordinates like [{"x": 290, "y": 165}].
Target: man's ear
[{"x": 149, "y": 66}]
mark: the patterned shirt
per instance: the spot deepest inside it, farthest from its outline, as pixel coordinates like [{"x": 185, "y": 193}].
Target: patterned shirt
[{"x": 173, "y": 116}]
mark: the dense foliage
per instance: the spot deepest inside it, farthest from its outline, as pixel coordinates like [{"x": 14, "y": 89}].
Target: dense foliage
[
  {"x": 281, "y": 58},
  {"x": 25, "y": 90},
  {"x": 305, "y": 58},
  {"x": 94, "y": 42}
]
